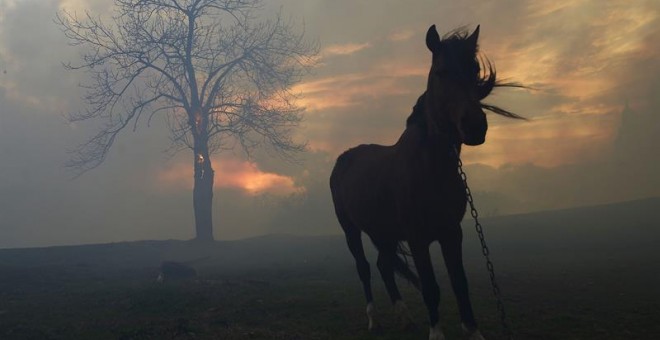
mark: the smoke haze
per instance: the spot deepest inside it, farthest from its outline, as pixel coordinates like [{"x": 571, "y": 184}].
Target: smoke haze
[{"x": 592, "y": 68}]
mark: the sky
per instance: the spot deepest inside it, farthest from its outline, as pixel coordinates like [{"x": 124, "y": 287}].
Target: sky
[{"x": 592, "y": 68}]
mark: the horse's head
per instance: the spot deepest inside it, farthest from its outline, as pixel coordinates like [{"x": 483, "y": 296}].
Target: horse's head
[{"x": 456, "y": 87}]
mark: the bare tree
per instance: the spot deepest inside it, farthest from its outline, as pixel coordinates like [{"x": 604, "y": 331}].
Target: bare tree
[{"x": 221, "y": 76}]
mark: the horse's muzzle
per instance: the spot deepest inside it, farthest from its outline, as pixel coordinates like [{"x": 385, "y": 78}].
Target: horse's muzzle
[{"x": 473, "y": 141}]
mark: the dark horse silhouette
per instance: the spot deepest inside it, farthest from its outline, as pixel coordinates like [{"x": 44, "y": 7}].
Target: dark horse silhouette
[{"x": 411, "y": 191}]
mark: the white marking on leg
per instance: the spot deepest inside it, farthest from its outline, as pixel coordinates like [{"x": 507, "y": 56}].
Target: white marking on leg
[
  {"x": 436, "y": 333},
  {"x": 371, "y": 313}
]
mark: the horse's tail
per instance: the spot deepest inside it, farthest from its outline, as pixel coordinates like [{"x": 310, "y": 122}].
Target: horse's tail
[{"x": 403, "y": 267}]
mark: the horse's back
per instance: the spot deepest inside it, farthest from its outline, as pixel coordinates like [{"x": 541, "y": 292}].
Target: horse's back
[
  {"x": 368, "y": 163},
  {"x": 357, "y": 164},
  {"x": 393, "y": 190}
]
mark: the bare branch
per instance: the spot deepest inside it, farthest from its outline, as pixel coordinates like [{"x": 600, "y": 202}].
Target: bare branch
[
  {"x": 220, "y": 73},
  {"x": 92, "y": 153}
]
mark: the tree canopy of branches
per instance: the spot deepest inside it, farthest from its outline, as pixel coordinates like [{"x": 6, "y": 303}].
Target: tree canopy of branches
[{"x": 219, "y": 74}]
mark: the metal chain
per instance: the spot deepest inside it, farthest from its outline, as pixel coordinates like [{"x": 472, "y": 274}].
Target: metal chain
[{"x": 484, "y": 250}]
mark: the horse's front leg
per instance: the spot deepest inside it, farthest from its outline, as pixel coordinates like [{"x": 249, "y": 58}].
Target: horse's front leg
[
  {"x": 452, "y": 251},
  {"x": 430, "y": 290}
]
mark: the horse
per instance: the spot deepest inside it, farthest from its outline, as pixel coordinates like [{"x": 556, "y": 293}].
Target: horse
[{"x": 411, "y": 192}]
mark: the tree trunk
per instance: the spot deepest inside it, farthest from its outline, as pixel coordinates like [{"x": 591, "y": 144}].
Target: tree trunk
[{"x": 203, "y": 191}]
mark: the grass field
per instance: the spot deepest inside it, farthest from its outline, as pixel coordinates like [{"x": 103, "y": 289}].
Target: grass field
[{"x": 590, "y": 273}]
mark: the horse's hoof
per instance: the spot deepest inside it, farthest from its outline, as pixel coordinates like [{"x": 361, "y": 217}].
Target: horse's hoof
[
  {"x": 436, "y": 333},
  {"x": 376, "y": 329},
  {"x": 404, "y": 316},
  {"x": 474, "y": 334},
  {"x": 410, "y": 327},
  {"x": 373, "y": 326}
]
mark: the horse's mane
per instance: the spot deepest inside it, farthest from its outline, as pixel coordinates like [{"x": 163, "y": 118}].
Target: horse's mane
[{"x": 417, "y": 115}]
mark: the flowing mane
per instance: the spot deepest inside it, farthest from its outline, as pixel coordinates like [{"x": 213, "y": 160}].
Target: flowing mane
[
  {"x": 486, "y": 81},
  {"x": 417, "y": 115}
]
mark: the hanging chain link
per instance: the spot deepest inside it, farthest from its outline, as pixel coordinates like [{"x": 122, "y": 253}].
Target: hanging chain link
[{"x": 484, "y": 250}]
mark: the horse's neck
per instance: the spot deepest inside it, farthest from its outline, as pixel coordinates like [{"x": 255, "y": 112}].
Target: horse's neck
[{"x": 415, "y": 142}]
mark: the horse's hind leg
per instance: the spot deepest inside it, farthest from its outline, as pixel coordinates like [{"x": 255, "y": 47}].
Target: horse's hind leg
[
  {"x": 354, "y": 241},
  {"x": 385, "y": 263},
  {"x": 453, "y": 254},
  {"x": 387, "y": 257}
]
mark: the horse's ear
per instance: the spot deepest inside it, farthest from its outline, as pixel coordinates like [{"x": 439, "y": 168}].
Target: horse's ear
[
  {"x": 472, "y": 39},
  {"x": 433, "y": 39}
]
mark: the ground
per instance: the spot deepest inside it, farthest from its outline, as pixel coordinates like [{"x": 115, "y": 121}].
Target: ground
[{"x": 579, "y": 274}]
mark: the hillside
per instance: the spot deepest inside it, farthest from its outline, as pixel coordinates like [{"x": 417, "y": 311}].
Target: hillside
[
  {"x": 619, "y": 227},
  {"x": 585, "y": 273}
]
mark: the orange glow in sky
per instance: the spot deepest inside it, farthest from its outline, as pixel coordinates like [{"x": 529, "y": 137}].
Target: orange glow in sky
[
  {"x": 575, "y": 56},
  {"x": 232, "y": 174}
]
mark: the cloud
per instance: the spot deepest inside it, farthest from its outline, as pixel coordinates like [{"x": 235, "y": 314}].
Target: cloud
[
  {"x": 31, "y": 69},
  {"x": 578, "y": 66},
  {"x": 354, "y": 89},
  {"x": 103, "y": 8},
  {"x": 401, "y": 35},
  {"x": 349, "y": 109},
  {"x": 344, "y": 49},
  {"x": 230, "y": 173}
]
